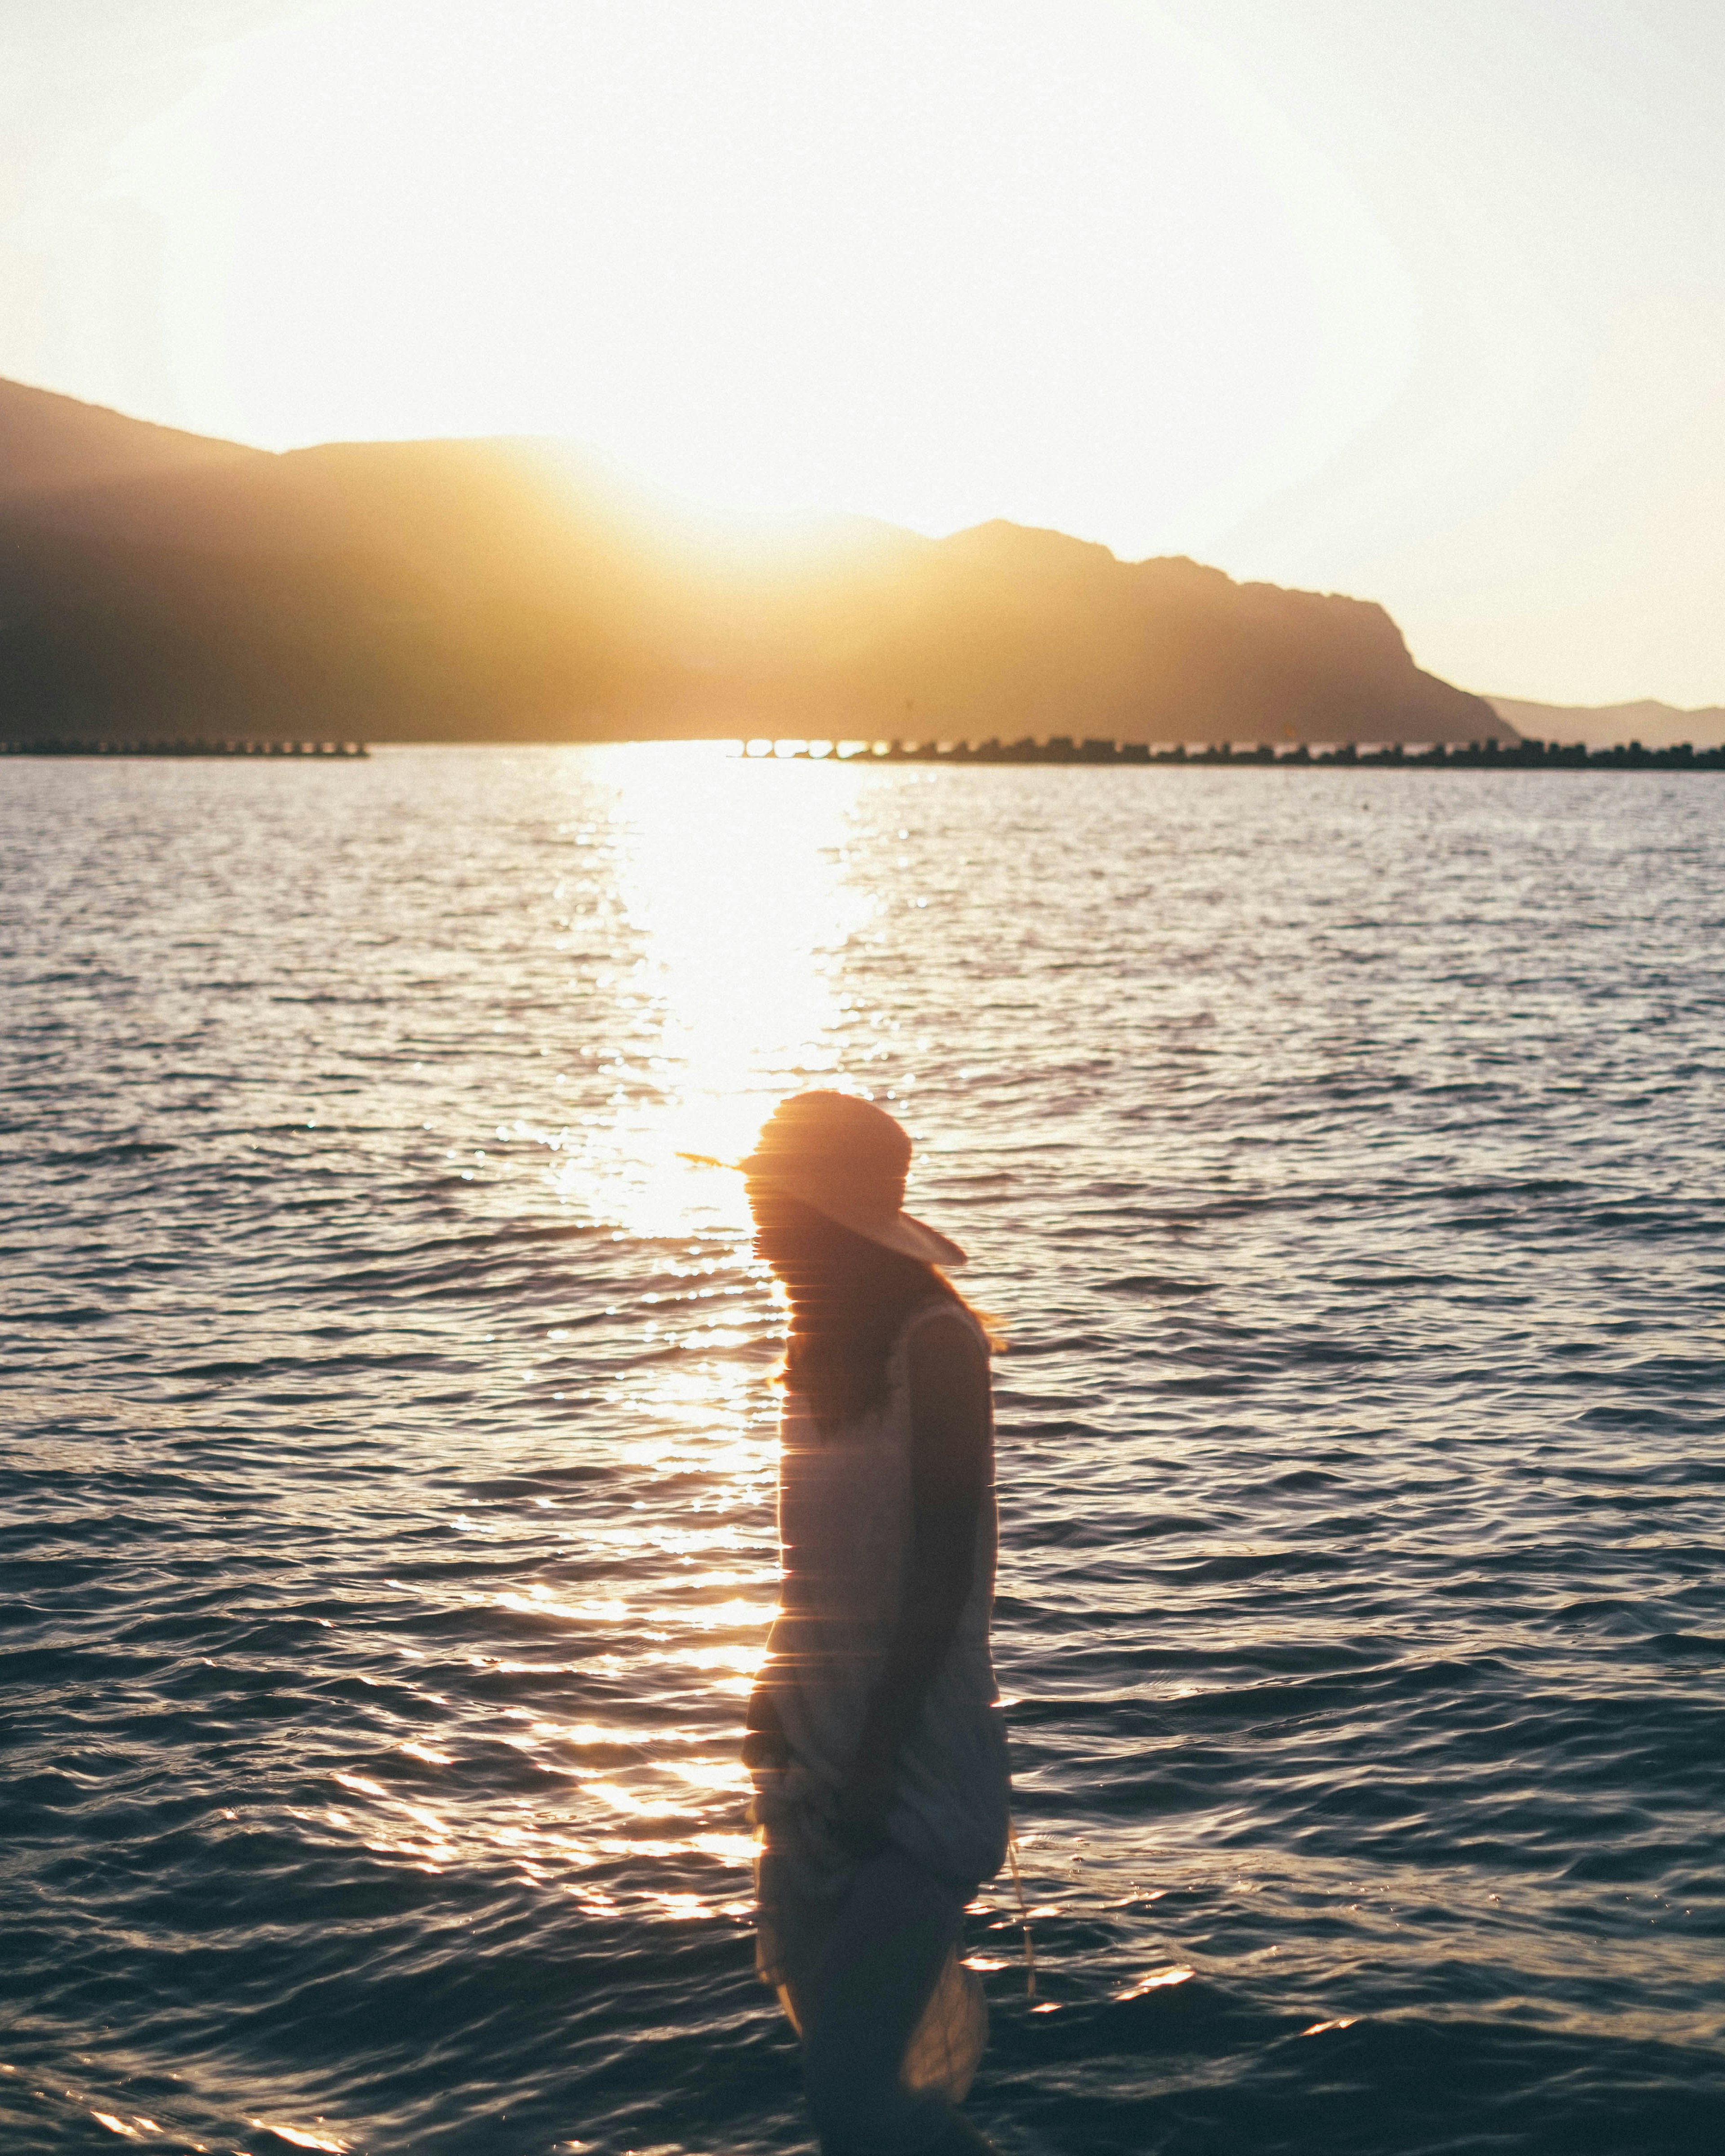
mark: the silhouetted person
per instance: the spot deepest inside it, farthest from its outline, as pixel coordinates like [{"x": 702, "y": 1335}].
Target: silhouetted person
[{"x": 875, "y": 1732}]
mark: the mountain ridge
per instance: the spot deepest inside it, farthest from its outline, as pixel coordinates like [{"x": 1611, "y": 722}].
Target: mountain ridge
[
  {"x": 510, "y": 589},
  {"x": 49, "y": 442}
]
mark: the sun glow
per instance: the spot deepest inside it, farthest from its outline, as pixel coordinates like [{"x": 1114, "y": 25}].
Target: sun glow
[{"x": 929, "y": 262}]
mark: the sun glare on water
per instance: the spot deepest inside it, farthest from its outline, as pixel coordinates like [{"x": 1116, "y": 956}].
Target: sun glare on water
[
  {"x": 735, "y": 876},
  {"x": 708, "y": 903}
]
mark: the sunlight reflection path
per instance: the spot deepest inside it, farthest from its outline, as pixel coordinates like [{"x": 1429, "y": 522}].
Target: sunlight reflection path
[
  {"x": 709, "y": 907},
  {"x": 734, "y": 878}
]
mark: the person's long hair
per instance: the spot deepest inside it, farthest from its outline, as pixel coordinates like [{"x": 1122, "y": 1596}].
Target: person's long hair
[{"x": 849, "y": 1299}]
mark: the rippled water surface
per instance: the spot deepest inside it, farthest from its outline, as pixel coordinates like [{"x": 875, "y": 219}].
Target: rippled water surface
[{"x": 385, "y": 1500}]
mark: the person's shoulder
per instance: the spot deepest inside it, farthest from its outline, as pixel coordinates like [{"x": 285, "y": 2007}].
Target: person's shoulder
[
  {"x": 942, "y": 1311},
  {"x": 943, "y": 1331}
]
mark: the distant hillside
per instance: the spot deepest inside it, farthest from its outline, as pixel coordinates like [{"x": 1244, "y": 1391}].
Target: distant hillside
[
  {"x": 153, "y": 582},
  {"x": 47, "y": 441},
  {"x": 1605, "y": 726}
]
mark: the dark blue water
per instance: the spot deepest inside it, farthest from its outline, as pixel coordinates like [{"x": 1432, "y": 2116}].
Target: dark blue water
[{"x": 385, "y": 1499}]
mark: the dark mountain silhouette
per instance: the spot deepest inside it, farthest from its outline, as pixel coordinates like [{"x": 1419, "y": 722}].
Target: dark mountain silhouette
[{"x": 153, "y": 582}]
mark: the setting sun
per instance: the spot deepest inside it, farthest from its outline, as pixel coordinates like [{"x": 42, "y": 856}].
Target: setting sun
[{"x": 781, "y": 258}]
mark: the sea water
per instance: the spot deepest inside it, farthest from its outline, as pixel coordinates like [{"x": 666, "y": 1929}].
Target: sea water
[{"x": 387, "y": 1482}]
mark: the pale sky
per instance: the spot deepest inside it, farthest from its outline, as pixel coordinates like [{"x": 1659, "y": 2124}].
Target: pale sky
[{"x": 1419, "y": 299}]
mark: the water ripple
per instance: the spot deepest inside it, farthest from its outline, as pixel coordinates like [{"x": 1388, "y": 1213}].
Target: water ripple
[{"x": 387, "y": 1537}]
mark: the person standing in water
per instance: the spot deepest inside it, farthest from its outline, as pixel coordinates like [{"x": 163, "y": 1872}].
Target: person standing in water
[{"x": 875, "y": 1735}]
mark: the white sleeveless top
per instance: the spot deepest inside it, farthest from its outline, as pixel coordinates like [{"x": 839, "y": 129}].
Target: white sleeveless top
[{"x": 845, "y": 1524}]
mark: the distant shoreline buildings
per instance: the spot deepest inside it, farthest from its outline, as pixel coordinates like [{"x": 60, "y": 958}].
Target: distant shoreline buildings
[
  {"x": 1472, "y": 756},
  {"x": 263, "y": 750}
]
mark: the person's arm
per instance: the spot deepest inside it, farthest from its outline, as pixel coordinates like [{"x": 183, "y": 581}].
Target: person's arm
[
  {"x": 763, "y": 1741},
  {"x": 952, "y": 1464}
]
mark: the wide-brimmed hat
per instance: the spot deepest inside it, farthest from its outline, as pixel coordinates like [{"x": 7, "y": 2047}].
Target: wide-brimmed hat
[{"x": 848, "y": 1160}]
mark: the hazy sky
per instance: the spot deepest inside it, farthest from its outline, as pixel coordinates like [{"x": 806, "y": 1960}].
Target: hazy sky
[{"x": 1421, "y": 300}]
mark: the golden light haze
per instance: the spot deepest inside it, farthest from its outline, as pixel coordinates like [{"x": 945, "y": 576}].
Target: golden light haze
[
  {"x": 1421, "y": 304},
  {"x": 901, "y": 260}
]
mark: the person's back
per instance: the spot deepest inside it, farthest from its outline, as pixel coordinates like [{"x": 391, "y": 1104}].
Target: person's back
[{"x": 846, "y": 1524}]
